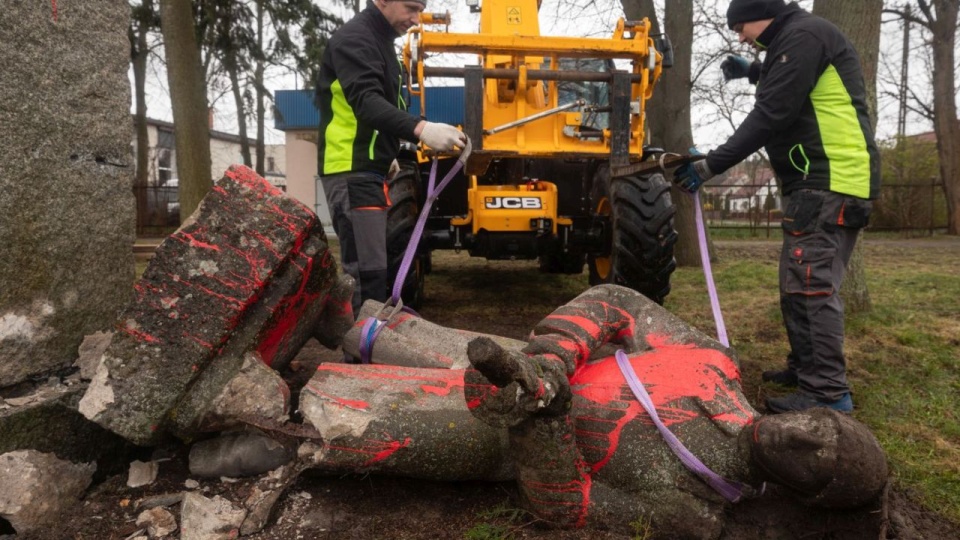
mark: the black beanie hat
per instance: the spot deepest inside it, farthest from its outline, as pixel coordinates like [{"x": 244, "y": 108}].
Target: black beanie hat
[{"x": 741, "y": 11}]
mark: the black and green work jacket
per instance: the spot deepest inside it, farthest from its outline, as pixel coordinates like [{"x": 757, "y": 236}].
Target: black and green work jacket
[
  {"x": 362, "y": 114},
  {"x": 810, "y": 112}
]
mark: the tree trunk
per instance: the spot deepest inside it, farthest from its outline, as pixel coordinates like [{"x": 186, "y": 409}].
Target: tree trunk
[
  {"x": 233, "y": 71},
  {"x": 638, "y": 9},
  {"x": 189, "y": 100},
  {"x": 258, "y": 86},
  {"x": 860, "y": 21},
  {"x": 139, "y": 50},
  {"x": 945, "y": 107},
  {"x": 668, "y": 113}
]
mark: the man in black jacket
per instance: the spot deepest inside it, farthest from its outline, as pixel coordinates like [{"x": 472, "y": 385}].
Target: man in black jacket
[
  {"x": 362, "y": 119},
  {"x": 811, "y": 116}
]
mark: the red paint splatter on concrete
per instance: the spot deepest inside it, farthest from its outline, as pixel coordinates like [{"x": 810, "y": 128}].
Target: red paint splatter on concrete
[
  {"x": 419, "y": 383},
  {"x": 197, "y": 340},
  {"x": 192, "y": 241},
  {"x": 356, "y": 404},
  {"x": 387, "y": 449},
  {"x": 670, "y": 373},
  {"x": 584, "y": 323},
  {"x": 288, "y": 313},
  {"x": 140, "y": 335},
  {"x": 570, "y": 498},
  {"x": 377, "y": 450}
]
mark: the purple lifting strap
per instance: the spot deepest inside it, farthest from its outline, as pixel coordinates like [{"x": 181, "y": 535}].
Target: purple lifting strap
[
  {"x": 432, "y": 194},
  {"x": 368, "y": 334},
  {"x": 732, "y": 491},
  {"x": 372, "y": 326},
  {"x": 708, "y": 273}
]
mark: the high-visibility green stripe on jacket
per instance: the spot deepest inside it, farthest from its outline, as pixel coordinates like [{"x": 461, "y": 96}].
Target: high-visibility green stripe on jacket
[
  {"x": 362, "y": 114},
  {"x": 811, "y": 111}
]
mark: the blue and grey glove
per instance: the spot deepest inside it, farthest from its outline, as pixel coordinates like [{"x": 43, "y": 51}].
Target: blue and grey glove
[
  {"x": 690, "y": 176},
  {"x": 735, "y": 67}
]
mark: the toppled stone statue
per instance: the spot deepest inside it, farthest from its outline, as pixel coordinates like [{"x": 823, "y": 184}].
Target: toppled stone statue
[{"x": 581, "y": 446}]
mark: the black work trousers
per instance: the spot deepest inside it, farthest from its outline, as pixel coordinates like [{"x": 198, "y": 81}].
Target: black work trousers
[
  {"x": 820, "y": 230},
  {"x": 358, "y": 206}
]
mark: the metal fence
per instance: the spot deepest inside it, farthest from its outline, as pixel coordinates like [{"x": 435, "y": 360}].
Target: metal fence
[
  {"x": 158, "y": 209},
  {"x": 903, "y": 207}
]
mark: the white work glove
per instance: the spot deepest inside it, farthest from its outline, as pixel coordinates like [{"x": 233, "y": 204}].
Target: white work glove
[{"x": 442, "y": 137}]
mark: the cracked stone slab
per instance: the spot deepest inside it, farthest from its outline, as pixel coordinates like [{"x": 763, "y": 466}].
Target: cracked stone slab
[{"x": 248, "y": 273}]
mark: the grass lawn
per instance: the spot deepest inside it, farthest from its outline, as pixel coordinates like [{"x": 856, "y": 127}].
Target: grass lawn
[{"x": 903, "y": 357}]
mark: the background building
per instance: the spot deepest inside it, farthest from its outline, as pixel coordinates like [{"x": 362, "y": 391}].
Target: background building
[
  {"x": 299, "y": 119},
  {"x": 158, "y": 201}
]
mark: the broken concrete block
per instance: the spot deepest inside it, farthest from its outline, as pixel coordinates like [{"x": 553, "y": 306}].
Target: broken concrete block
[
  {"x": 142, "y": 473},
  {"x": 408, "y": 421},
  {"x": 237, "y": 454},
  {"x": 38, "y": 487},
  {"x": 162, "y": 500},
  {"x": 264, "y": 495},
  {"x": 90, "y": 351},
  {"x": 46, "y": 419},
  {"x": 209, "y": 519},
  {"x": 256, "y": 392},
  {"x": 337, "y": 315},
  {"x": 408, "y": 340},
  {"x": 249, "y": 273},
  {"x": 157, "y": 521}
]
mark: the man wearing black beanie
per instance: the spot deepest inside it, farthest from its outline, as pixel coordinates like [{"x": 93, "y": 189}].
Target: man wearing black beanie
[{"x": 811, "y": 117}]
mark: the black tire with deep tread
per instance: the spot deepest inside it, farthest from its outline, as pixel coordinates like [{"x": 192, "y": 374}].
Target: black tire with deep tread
[
  {"x": 641, "y": 235},
  {"x": 404, "y": 189}
]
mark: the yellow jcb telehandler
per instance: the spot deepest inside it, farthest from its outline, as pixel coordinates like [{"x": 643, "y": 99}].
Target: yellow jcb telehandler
[{"x": 559, "y": 171}]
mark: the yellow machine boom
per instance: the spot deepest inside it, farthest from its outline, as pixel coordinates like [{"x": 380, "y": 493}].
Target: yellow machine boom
[{"x": 514, "y": 88}]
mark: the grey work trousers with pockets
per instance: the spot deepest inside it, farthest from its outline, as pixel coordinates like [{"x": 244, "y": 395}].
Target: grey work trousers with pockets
[
  {"x": 820, "y": 230},
  {"x": 358, "y": 206}
]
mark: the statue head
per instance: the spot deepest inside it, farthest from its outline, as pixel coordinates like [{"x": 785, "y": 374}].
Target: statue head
[{"x": 827, "y": 458}]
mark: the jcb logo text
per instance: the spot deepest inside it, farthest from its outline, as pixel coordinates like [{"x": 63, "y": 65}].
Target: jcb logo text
[{"x": 511, "y": 203}]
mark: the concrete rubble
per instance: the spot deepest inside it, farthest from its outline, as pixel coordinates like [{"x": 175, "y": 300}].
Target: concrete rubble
[
  {"x": 203, "y": 518},
  {"x": 44, "y": 417},
  {"x": 142, "y": 473},
  {"x": 157, "y": 522},
  {"x": 39, "y": 486}
]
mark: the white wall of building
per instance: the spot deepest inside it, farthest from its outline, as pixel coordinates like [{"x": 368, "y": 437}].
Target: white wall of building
[{"x": 301, "y": 171}]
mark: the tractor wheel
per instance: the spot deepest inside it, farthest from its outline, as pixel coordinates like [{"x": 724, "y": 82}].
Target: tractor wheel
[
  {"x": 404, "y": 189},
  {"x": 639, "y": 237}
]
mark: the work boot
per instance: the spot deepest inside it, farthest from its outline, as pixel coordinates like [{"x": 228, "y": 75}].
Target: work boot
[
  {"x": 784, "y": 377},
  {"x": 799, "y": 401}
]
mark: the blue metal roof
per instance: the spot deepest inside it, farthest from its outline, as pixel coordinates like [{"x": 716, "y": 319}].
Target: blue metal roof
[
  {"x": 444, "y": 104},
  {"x": 294, "y": 109}
]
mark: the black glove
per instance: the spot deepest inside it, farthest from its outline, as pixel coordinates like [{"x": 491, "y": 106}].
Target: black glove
[{"x": 735, "y": 67}]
